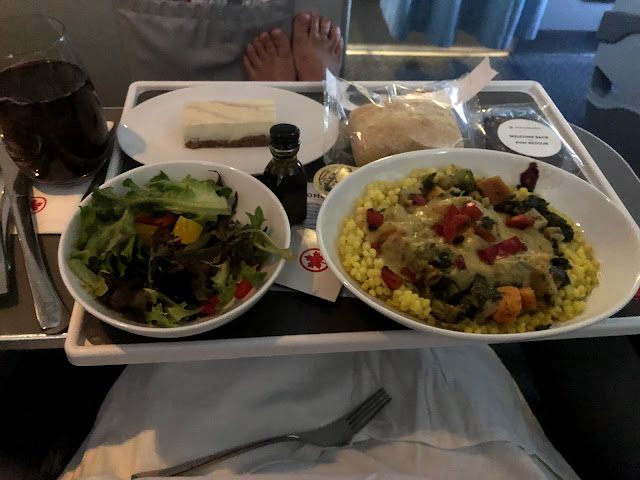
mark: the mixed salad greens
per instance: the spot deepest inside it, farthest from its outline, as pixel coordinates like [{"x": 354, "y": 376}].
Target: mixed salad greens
[{"x": 170, "y": 251}]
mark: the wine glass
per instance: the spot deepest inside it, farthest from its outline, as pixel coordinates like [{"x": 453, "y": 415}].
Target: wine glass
[{"x": 51, "y": 121}]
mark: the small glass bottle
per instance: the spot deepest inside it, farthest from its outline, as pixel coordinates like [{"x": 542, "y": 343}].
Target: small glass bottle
[{"x": 284, "y": 174}]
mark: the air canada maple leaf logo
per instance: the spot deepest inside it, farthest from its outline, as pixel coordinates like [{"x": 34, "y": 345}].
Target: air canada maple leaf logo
[
  {"x": 38, "y": 204},
  {"x": 312, "y": 260}
]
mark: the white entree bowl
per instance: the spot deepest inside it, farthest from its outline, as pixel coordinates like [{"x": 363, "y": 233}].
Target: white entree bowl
[
  {"x": 611, "y": 231},
  {"x": 251, "y": 194}
]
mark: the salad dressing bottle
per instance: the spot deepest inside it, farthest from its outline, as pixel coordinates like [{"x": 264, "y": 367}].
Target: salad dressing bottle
[{"x": 284, "y": 174}]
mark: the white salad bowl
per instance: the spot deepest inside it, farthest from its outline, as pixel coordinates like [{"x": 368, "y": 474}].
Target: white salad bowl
[
  {"x": 611, "y": 231},
  {"x": 251, "y": 194}
]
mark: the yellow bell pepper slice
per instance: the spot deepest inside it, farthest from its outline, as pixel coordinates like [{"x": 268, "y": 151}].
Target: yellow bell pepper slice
[{"x": 186, "y": 230}]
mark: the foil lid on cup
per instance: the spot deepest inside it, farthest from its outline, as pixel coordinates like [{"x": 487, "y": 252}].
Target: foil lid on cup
[{"x": 328, "y": 177}]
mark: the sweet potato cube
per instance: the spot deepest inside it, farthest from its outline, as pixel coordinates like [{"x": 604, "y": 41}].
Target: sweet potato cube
[
  {"x": 494, "y": 189},
  {"x": 509, "y": 307},
  {"x": 528, "y": 297}
]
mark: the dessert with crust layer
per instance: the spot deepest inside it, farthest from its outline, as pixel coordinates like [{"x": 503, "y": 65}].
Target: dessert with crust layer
[{"x": 218, "y": 124}]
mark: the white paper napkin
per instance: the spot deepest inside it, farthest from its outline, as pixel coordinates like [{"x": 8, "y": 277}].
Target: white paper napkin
[
  {"x": 455, "y": 413},
  {"x": 309, "y": 273},
  {"x": 53, "y": 206}
]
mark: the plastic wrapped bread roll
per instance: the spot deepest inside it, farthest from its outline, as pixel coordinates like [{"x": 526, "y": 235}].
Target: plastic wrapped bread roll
[{"x": 401, "y": 126}]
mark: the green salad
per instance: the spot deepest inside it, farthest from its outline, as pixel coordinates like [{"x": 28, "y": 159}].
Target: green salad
[{"x": 171, "y": 251}]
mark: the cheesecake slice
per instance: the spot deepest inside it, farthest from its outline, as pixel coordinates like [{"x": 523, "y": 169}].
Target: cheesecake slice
[{"x": 228, "y": 124}]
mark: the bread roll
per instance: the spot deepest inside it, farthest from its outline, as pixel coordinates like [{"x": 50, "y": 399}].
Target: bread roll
[{"x": 380, "y": 131}]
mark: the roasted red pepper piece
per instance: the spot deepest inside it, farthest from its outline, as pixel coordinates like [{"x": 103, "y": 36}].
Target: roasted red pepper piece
[
  {"x": 208, "y": 306},
  {"x": 165, "y": 221},
  {"x": 453, "y": 223},
  {"x": 472, "y": 210},
  {"x": 418, "y": 199},
  {"x": 504, "y": 249},
  {"x": 521, "y": 222},
  {"x": 375, "y": 219},
  {"x": 488, "y": 255},
  {"x": 484, "y": 233},
  {"x": 242, "y": 288},
  {"x": 375, "y": 246},
  {"x": 510, "y": 246},
  {"x": 392, "y": 280},
  {"x": 438, "y": 229},
  {"x": 529, "y": 177},
  {"x": 408, "y": 274},
  {"x": 454, "y": 227},
  {"x": 460, "y": 263},
  {"x": 450, "y": 213}
]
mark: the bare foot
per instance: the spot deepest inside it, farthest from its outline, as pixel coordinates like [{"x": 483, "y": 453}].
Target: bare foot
[
  {"x": 317, "y": 45},
  {"x": 269, "y": 58}
]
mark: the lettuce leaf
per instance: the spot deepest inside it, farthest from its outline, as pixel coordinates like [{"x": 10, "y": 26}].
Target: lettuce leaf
[
  {"x": 109, "y": 242},
  {"x": 200, "y": 200},
  {"x": 92, "y": 283},
  {"x": 166, "y": 312},
  {"x": 252, "y": 274}
]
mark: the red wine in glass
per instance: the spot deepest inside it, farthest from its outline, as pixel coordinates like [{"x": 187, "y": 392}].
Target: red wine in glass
[{"x": 51, "y": 121}]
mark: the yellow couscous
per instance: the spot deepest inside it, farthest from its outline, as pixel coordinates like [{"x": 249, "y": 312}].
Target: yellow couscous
[{"x": 485, "y": 271}]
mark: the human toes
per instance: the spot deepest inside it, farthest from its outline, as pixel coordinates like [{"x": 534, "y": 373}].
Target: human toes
[
  {"x": 334, "y": 37},
  {"x": 248, "y": 66},
  {"x": 301, "y": 27},
  {"x": 258, "y": 46},
  {"x": 267, "y": 43},
  {"x": 339, "y": 49},
  {"x": 314, "y": 25},
  {"x": 252, "y": 56},
  {"x": 281, "y": 42},
  {"x": 325, "y": 27}
]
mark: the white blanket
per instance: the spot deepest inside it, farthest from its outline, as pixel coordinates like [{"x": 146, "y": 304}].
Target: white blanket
[{"x": 455, "y": 413}]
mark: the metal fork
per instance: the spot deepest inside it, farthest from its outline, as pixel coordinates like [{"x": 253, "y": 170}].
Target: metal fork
[{"x": 337, "y": 433}]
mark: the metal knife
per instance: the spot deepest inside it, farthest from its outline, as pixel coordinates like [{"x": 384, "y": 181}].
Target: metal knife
[{"x": 51, "y": 313}]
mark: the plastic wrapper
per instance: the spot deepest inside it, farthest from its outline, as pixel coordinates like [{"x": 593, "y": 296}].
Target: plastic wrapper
[
  {"x": 523, "y": 130},
  {"x": 371, "y": 123}
]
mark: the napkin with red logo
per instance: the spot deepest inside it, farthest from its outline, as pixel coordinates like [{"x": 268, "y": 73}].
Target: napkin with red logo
[{"x": 309, "y": 273}]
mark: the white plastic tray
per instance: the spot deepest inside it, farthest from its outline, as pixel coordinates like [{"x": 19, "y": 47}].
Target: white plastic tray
[{"x": 85, "y": 345}]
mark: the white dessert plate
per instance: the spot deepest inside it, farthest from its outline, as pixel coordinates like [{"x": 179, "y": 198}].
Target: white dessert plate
[
  {"x": 152, "y": 132},
  {"x": 611, "y": 231}
]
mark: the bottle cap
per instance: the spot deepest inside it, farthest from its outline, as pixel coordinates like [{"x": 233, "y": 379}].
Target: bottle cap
[
  {"x": 328, "y": 177},
  {"x": 285, "y": 136}
]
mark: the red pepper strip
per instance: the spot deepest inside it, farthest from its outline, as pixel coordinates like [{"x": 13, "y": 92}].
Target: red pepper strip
[
  {"x": 521, "y": 222},
  {"x": 408, "y": 274},
  {"x": 472, "y": 210},
  {"x": 208, "y": 306},
  {"x": 375, "y": 246},
  {"x": 450, "y": 213},
  {"x": 164, "y": 221},
  {"x": 488, "y": 255},
  {"x": 438, "y": 229},
  {"x": 242, "y": 289},
  {"x": 509, "y": 247},
  {"x": 375, "y": 219},
  {"x": 460, "y": 263},
  {"x": 484, "y": 233},
  {"x": 504, "y": 249},
  {"x": 454, "y": 227},
  {"x": 392, "y": 280},
  {"x": 418, "y": 199}
]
